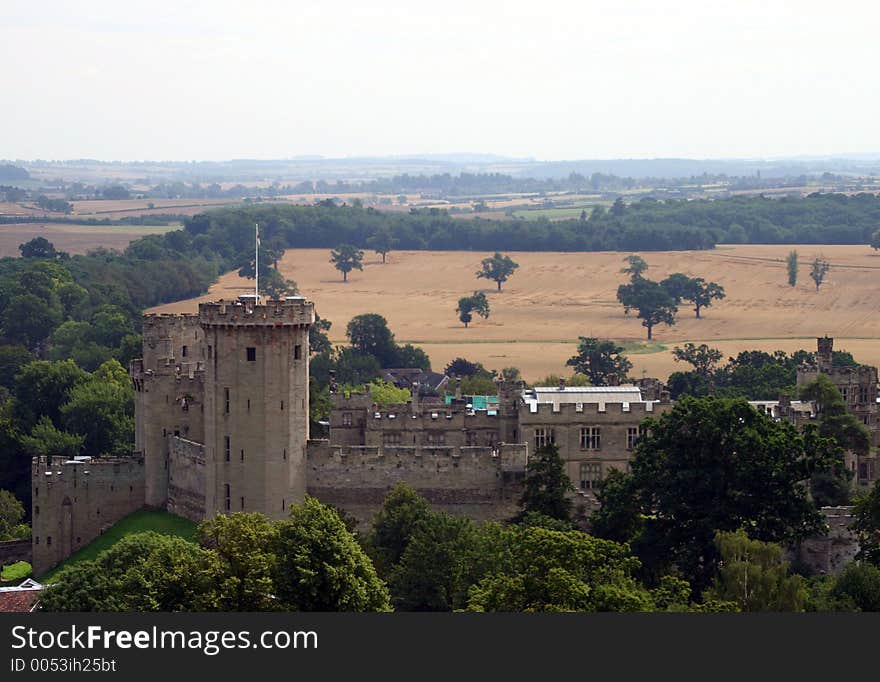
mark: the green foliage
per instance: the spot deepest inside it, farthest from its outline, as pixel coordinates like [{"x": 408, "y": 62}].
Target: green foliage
[
  {"x": 555, "y": 380},
  {"x": 599, "y": 361},
  {"x": 12, "y": 359},
  {"x": 384, "y": 393},
  {"x": 859, "y": 584},
  {"x": 712, "y": 465},
  {"x": 479, "y": 384},
  {"x": 753, "y": 575},
  {"x": 321, "y": 567},
  {"x": 11, "y": 515},
  {"x": 818, "y": 270},
  {"x": 866, "y": 525},
  {"x": 551, "y": 570},
  {"x": 103, "y": 413},
  {"x": 791, "y": 265},
  {"x": 142, "y": 572},
  {"x": 437, "y": 566},
  {"x": 637, "y": 266},
  {"x": 38, "y": 247},
  {"x": 382, "y": 242},
  {"x": 274, "y": 286},
  {"x": 703, "y": 358},
  {"x": 16, "y": 572},
  {"x": 138, "y": 522},
  {"x": 654, "y": 304},
  {"x": 498, "y": 268},
  {"x": 346, "y": 258},
  {"x": 45, "y": 439},
  {"x": 369, "y": 335},
  {"x": 875, "y": 240},
  {"x": 394, "y": 525},
  {"x": 546, "y": 486},
  {"x": 468, "y": 305},
  {"x": 245, "y": 545}
]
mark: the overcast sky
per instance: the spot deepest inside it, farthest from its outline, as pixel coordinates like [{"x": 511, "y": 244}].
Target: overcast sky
[{"x": 157, "y": 79}]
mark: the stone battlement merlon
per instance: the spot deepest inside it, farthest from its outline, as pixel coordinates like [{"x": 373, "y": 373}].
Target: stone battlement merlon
[
  {"x": 576, "y": 410},
  {"x": 293, "y": 311}
]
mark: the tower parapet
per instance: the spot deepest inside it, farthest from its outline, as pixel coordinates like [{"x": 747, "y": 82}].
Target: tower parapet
[{"x": 256, "y": 403}]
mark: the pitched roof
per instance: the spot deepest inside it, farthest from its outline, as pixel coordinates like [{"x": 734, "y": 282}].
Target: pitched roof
[{"x": 22, "y": 598}]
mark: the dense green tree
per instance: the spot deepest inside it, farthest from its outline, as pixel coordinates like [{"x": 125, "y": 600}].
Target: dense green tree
[
  {"x": 859, "y": 583},
  {"x": 103, "y": 413},
  {"x": 791, "y": 264},
  {"x": 551, "y": 570},
  {"x": 346, "y": 258},
  {"x": 498, "y": 268},
  {"x": 38, "y": 247},
  {"x": 866, "y": 525},
  {"x": 546, "y": 485},
  {"x": 12, "y": 359},
  {"x": 753, "y": 574},
  {"x": 245, "y": 545},
  {"x": 818, "y": 270},
  {"x": 11, "y": 517},
  {"x": 411, "y": 356},
  {"x": 461, "y": 367},
  {"x": 384, "y": 393},
  {"x": 43, "y": 387},
  {"x": 600, "y": 361},
  {"x": 369, "y": 335},
  {"x": 652, "y": 301},
  {"x": 275, "y": 286},
  {"x": 875, "y": 240},
  {"x": 636, "y": 268},
  {"x": 382, "y": 242},
  {"x": 141, "y": 572},
  {"x": 712, "y": 465},
  {"x": 703, "y": 358},
  {"x": 28, "y": 319},
  {"x": 321, "y": 567},
  {"x": 437, "y": 566},
  {"x": 394, "y": 525},
  {"x": 319, "y": 341},
  {"x": 468, "y": 305},
  {"x": 45, "y": 439}
]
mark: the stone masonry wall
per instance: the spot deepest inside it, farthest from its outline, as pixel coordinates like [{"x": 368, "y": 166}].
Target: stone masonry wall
[
  {"x": 477, "y": 482},
  {"x": 186, "y": 478},
  {"x": 75, "y": 501}
]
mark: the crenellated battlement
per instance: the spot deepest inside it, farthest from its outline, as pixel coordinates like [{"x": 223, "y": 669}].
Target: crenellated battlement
[
  {"x": 293, "y": 310},
  {"x": 539, "y": 411}
]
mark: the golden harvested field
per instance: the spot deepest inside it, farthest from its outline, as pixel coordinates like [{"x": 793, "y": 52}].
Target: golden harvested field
[
  {"x": 74, "y": 239},
  {"x": 555, "y": 297}
]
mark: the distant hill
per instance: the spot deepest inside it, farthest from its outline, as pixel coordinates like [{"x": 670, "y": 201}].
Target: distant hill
[{"x": 10, "y": 172}]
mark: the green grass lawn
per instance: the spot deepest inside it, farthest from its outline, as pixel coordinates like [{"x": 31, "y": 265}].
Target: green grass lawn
[{"x": 139, "y": 522}]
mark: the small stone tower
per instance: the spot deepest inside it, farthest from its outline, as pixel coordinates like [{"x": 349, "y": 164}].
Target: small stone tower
[{"x": 256, "y": 403}]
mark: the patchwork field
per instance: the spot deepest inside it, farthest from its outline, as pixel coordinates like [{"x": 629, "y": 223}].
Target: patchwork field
[
  {"x": 555, "y": 297},
  {"x": 74, "y": 239}
]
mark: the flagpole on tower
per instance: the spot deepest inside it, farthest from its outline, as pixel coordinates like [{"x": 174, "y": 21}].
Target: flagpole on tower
[{"x": 257, "y": 261}]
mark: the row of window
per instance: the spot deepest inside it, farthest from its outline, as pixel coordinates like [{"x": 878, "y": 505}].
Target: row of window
[
  {"x": 250, "y": 352},
  {"x": 226, "y": 402},
  {"x": 227, "y": 450},
  {"x": 851, "y": 393},
  {"x": 472, "y": 438},
  {"x": 227, "y": 500},
  {"x": 590, "y": 437}
]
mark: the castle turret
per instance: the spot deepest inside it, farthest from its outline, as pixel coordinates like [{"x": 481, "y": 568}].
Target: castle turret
[{"x": 256, "y": 403}]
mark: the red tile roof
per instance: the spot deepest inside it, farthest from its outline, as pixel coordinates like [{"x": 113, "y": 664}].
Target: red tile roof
[{"x": 18, "y": 602}]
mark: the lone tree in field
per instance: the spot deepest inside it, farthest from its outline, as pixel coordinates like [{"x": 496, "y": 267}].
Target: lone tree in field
[
  {"x": 39, "y": 247},
  {"x": 599, "y": 361},
  {"x": 792, "y": 264},
  {"x": 694, "y": 289},
  {"x": 382, "y": 242},
  {"x": 636, "y": 268},
  {"x": 468, "y": 305},
  {"x": 818, "y": 271},
  {"x": 346, "y": 258},
  {"x": 654, "y": 304},
  {"x": 497, "y": 268}
]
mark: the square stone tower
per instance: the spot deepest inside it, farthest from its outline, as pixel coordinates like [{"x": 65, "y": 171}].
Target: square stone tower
[{"x": 256, "y": 403}]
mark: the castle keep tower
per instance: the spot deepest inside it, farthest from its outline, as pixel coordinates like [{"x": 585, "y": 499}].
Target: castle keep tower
[{"x": 256, "y": 403}]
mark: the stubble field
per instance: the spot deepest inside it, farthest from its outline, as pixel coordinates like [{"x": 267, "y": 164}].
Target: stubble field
[{"x": 555, "y": 297}]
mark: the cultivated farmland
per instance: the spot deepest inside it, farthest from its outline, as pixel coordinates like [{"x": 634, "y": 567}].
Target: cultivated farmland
[
  {"x": 555, "y": 297},
  {"x": 75, "y": 239}
]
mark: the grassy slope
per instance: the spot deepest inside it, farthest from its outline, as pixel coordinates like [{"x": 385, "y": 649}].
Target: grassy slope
[{"x": 140, "y": 521}]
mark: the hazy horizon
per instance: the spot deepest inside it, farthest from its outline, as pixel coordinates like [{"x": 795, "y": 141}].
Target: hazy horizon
[{"x": 559, "y": 81}]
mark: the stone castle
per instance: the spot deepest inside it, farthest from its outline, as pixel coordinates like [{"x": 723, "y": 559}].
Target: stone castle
[{"x": 222, "y": 425}]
